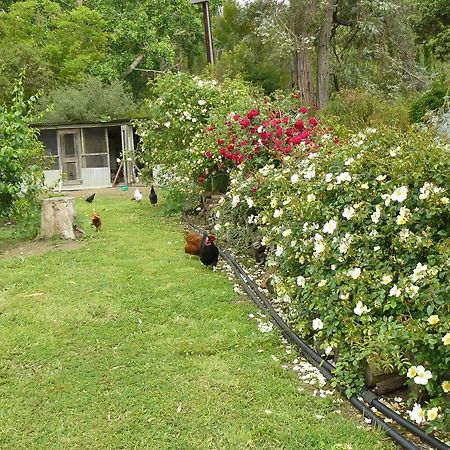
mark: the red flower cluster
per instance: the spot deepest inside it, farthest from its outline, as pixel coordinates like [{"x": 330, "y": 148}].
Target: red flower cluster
[{"x": 273, "y": 137}]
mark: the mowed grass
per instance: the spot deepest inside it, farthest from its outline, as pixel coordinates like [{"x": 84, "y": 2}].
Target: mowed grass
[{"x": 128, "y": 343}]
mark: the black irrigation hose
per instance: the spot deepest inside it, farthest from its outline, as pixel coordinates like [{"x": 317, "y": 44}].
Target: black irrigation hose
[{"x": 326, "y": 368}]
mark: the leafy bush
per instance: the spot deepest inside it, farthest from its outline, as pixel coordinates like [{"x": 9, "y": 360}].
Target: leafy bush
[
  {"x": 361, "y": 108},
  {"x": 431, "y": 100},
  {"x": 359, "y": 235},
  {"x": 21, "y": 175},
  {"x": 91, "y": 101},
  {"x": 180, "y": 108}
]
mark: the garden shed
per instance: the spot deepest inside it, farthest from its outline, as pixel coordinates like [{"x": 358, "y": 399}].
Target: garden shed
[{"x": 88, "y": 155}]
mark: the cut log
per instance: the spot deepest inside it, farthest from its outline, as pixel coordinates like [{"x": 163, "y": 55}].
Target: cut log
[
  {"x": 374, "y": 374},
  {"x": 57, "y": 218},
  {"x": 391, "y": 384}
]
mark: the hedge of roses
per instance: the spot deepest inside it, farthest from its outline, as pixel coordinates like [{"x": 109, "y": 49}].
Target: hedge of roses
[
  {"x": 359, "y": 236},
  {"x": 357, "y": 230}
]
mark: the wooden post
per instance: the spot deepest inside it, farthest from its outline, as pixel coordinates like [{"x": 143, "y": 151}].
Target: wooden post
[{"x": 57, "y": 218}]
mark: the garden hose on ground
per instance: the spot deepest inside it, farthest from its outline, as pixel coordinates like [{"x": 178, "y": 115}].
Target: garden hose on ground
[{"x": 326, "y": 368}]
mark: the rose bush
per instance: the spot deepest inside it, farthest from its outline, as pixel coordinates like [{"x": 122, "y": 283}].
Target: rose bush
[{"x": 359, "y": 236}]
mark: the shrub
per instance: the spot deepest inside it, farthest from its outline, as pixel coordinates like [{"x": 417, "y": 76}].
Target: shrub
[
  {"x": 21, "y": 175},
  {"x": 359, "y": 235},
  {"x": 361, "y": 109},
  {"x": 431, "y": 100},
  {"x": 90, "y": 101}
]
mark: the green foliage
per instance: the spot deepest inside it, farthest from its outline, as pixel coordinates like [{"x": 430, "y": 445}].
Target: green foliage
[
  {"x": 166, "y": 33},
  {"x": 431, "y": 23},
  {"x": 431, "y": 100},
  {"x": 21, "y": 176},
  {"x": 360, "y": 108},
  {"x": 90, "y": 101},
  {"x": 52, "y": 45},
  {"x": 249, "y": 44}
]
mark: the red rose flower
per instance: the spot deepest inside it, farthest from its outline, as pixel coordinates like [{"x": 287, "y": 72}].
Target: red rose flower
[
  {"x": 299, "y": 125},
  {"x": 252, "y": 113},
  {"x": 303, "y": 110},
  {"x": 245, "y": 122},
  {"x": 220, "y": 141},
  {"x": 313, "y": 121},
  {"x": 236, "y": 117},
  {"x": 208, "y": 154}
]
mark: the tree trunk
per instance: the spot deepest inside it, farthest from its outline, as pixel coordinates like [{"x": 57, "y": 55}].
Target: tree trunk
[
  {"x": 57, "y": 218},
  {"x": 294, "y": 70},
  {"x": 305, "y": 31},
  {"x": 306, "y": 76},
  {"x": 323, "y": 52}
]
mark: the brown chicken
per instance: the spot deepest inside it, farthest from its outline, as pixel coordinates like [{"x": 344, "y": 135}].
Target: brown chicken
[
  {"x": 96, "y": 221},
  {"x": 193, "y": 244}
]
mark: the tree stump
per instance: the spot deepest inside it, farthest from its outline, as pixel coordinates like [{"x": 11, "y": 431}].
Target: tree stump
[{"x": 57, "y": 218}]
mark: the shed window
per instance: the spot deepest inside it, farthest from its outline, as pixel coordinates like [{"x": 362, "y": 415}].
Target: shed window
[{"x": 94, "y": 140}]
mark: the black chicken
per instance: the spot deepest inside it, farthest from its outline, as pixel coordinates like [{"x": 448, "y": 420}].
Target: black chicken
[
  {"x": 90, "y": 199},
  {"x": 152, "y": 196},
  {"x": 209, "y": 253}
]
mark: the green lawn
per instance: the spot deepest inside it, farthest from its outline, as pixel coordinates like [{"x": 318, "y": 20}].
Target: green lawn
[{"x": 131, "y": 344}]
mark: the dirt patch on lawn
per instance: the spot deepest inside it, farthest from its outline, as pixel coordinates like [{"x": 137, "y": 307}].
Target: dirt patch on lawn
[{"x": 37, "y": 247}]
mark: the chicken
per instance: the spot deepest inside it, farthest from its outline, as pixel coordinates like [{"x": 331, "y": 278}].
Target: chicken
[
  {"x": 152, "y": 196},
  {"x": 193, "y": 244},
  {"x": 209, "y": 253},
  {"x": 90, "y": 199},
  {"x": 137, "y": 195},
  {"x": 96, "y": 221}
]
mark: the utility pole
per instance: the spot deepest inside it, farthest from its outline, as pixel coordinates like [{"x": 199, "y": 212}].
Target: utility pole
[{"x": 207, "y": 27}]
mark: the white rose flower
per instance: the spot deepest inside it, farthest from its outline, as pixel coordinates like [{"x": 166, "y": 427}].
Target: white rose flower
[
  {"x": 287, "y": 233},
  {"x": 167, "y": 124},
  {"x": 376, "y": 215},
  {"x": 412, "y": 290},
  {"x": 432, "y": 414},
  {"x": 422, "y": 375},
  {"x": 349, "y": 212},
  {"x": 310, "y": 173},
  {"x": 235, "y": 201},
  {"x": 202, "y": 102},
  {"x": 399, "y": 195},
  {"x": 395, "y": 291},
  {"x": 354, "y": 273},
  {"x": 294, "y": 178},
  {"x": 417, "y": 414},
  {"x": 386, "y": 198},
  {"x": 301, "y": 281},
  {"x": 319, "y": 247},
  {"x": 380, "y": 177},
  {"x": 279, "y": 250},
  {"x": 310, "y": 198},
  {"x": 328, "y": 177},
  {"x": 360, "y": 309},
  {"x": 386, "y": 279},
  {"x": 277, "y": 213},
  {"x": 344, "y": 176},
  {"x": 250, "y": 202},
  {"x": 217, "y": 227},
  {"x": 349, "y": 161},
  {"x": 364, "y": 186},
  {"x": 330, "y": 226},
  {"x": 317, "y": 324},
  {"x": 322, "y": 283}
]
